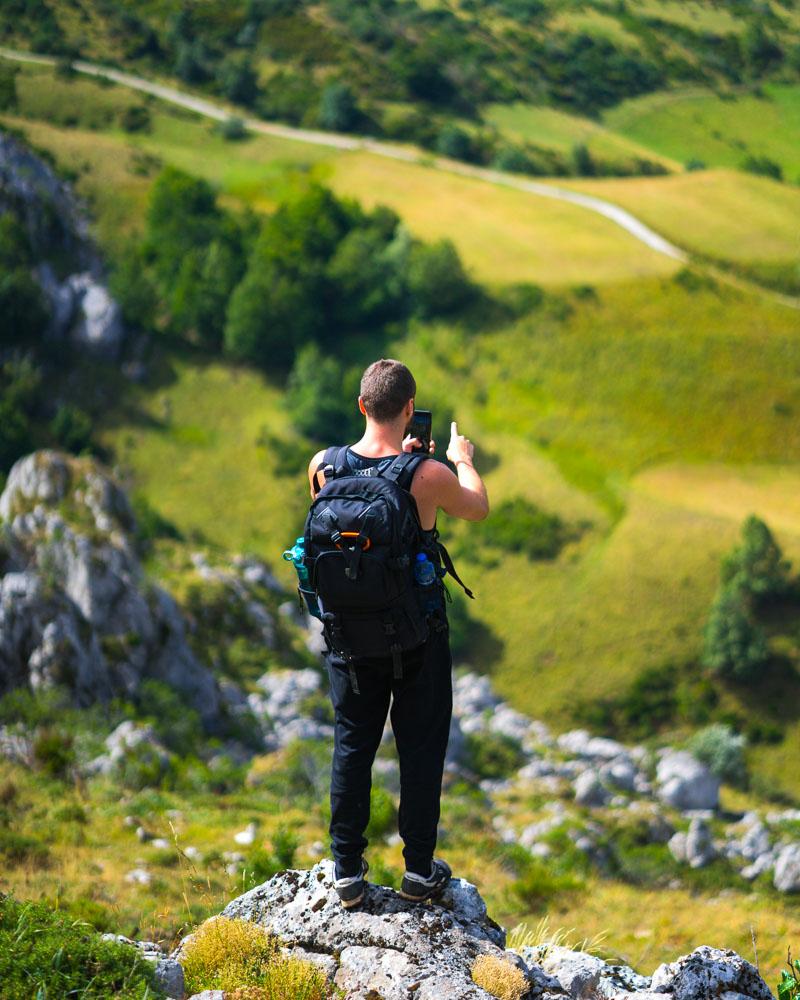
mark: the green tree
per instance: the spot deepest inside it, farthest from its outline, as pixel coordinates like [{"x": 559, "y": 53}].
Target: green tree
[
  {"x": 238, "y": 80},
  {"x": 269, "y": 315},
  {"x": 436, "y": 278},
  {"x": 757, "y": 566},
  {"x": 368, "y": 278},
  {"x": 317, "y": 397},
  {"x": 20, "y": 384},
  {"x": 761, "y": 52},
  {"x": 182, "y": 214},
  {"x": 23, "y": 313},
  {"x": 454, "y": 142},
  {"x": 8, "y": 87},
  {"x": 202, "y": 289},
  {"x": 735, "y": 646},
  {"x": 132, "y": 286},
  {"x": 338, "y": 110}
]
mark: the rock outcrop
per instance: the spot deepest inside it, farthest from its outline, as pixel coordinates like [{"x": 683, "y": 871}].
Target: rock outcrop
[
  {"x": 75, "y": 609},
  {"x": 392, "y": 949},
  {"x": 81, "y": 306}
]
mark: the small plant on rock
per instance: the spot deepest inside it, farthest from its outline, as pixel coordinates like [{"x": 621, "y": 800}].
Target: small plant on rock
[
  {"x": 789, "y": 985},
  {"x": 499, "y": 977}
]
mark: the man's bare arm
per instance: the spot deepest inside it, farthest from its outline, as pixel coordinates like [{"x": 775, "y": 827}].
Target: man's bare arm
[
  {"x": 463, "y": 494},
  {"x": 313, "y": 465}
]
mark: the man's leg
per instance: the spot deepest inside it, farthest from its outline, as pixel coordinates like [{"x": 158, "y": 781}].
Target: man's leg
[
  {"x": 358, "y": 726},
  {"x": 421, "y": 710}
]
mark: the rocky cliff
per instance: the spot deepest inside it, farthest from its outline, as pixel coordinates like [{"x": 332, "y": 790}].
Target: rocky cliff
[
  {"x": 75, "y": 609},
  {"x": 70, "y": 269}
]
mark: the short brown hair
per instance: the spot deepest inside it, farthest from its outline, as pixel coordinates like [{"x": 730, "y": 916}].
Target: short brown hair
[{"x": 386, "y": 387}]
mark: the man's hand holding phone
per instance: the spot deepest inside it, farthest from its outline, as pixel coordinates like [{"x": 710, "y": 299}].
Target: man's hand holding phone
[{"x": 418, "y": 433}]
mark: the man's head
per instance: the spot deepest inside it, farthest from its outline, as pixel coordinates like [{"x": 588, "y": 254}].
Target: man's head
[{"x": 387, "y": 391}]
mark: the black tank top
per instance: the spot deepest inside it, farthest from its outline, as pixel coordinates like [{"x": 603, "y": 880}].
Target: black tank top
[{"x": 356, "y": 461}]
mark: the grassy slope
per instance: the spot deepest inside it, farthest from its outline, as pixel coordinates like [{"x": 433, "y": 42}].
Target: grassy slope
[
  {"x": 574, "y": 410},
  {"x": 560, "y": 130},
  {"x": 531, "y": 239},
  {"x": 720, "y": 131},
  {"x": 721, "y": 213}
]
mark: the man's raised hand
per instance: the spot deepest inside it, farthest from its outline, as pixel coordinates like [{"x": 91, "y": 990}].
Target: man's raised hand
[{"x": 460, "y": 449}]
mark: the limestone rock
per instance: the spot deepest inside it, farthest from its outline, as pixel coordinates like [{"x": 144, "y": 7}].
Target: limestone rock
[
  {"x": 589, "y": 791},
  {"x": 98, "y": 318},
  {"x": 75, "y": 609},
  {"x": 787, "y": 869},
  {"x": 700, "y": 849},
  {"x": 387, "y": 944},
  {"x": 709, "y": 972},
  {"x": 685, "y": 783}
]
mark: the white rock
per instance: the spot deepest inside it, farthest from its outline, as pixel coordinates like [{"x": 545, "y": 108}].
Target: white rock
[
  {"x": 246, "y": 837},
  {"x": 709, "y": 972},
  {"x": 787, "y": 869},
  {"x": 589, "y": 791},
  {"x": 685, "y": 783},
  {"x": 139, "y": 876}
]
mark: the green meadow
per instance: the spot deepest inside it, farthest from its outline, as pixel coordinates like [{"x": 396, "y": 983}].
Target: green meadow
[
  {"x": 580, "y": 406},
  {"x": 720, "y": 130}
]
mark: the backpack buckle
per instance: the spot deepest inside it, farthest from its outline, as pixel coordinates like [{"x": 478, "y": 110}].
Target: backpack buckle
[{"x": 336, "y": 537}]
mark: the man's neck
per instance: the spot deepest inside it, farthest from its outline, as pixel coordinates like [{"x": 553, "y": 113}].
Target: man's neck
[{"x": 380, "y": 439}]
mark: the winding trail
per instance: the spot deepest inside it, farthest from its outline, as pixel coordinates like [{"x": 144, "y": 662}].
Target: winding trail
[
  {"x": 336, "y": 140},
  {"x": 211, "y": 109}
]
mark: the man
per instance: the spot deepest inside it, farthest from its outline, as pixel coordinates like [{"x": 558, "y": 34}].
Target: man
[{"x": 421, "y": 700}]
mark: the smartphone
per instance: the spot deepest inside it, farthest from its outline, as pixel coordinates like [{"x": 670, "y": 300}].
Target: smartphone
[{"x": 420, "y": 427}]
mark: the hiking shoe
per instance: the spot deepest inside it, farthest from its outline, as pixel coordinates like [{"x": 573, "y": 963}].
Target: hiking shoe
[
  {"x": 418, "y": 887},
  {"x": 350, "y": 890}
]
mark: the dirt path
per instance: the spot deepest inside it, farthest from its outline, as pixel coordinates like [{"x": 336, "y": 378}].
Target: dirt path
[{"x": 212, "y": 109}]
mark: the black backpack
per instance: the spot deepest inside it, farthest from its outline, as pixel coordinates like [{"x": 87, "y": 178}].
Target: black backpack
[{"x": 362, "y": 535}]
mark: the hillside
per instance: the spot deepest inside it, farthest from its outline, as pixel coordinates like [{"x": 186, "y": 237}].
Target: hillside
[
  {"x": 631, "y": 407},
  {"x": 450, "y": 76}
]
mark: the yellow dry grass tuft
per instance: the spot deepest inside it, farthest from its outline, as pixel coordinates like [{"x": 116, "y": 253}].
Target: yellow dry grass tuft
[
  {"x": 242, "y": 958},
  {"x": 541, "y": 935},
  {"x": 499, "y": 977}
]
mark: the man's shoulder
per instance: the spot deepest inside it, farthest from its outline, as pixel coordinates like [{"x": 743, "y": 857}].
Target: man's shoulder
[{"x": 431, "y": 475}]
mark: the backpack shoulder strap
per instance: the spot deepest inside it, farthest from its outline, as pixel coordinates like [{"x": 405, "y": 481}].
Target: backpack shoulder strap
[
  {"x": 402, "y": 470},
  {"x": 332, "y": 458}
]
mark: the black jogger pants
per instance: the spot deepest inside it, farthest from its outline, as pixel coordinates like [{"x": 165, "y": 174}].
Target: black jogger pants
[{"x": 422, "y": 703}]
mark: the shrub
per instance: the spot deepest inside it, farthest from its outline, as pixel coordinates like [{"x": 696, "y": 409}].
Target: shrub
[
  {"x": 72, "y": 428},
  {"x": 45, "y": 954},
  {"x": 493, "y": 755},
  {"x": 135, "y": 118},
  {"x": 722, "y": 751},
  {"x": 338, "y": 111},
  {"x": 54, "y": 753},
  {"x": 236, "y": 955},
  {"x": 518, "y": 525},
  {"x": 16, "y": 848},
  {"x": 735, "y": 646},
  {"x": 763, "y": 166},
  {"x": 500, "y": 977},
  {"x": 233, "y": 129},
  {"x": 314, "y": 397}
]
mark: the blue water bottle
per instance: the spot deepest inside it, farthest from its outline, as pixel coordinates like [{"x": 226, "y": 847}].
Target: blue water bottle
[
  {"x": 424, "y": 571},
  {"x": 296, "y": 554}
]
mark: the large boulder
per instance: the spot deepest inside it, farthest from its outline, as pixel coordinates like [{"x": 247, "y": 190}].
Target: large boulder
[
  {"x": 387, "y": 945},
  {"x": 787, "y": 869},
  {"x": 685, "y": 783},
  {"x": 710, "y": 972},
  {"x": 97, "y": 324}
]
